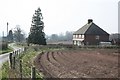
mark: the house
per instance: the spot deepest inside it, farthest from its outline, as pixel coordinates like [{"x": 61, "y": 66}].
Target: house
[{"x": 90, "y": 34}]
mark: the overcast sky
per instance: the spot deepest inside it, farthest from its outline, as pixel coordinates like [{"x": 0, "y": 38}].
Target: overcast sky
[{"x": 59, "y": 15}]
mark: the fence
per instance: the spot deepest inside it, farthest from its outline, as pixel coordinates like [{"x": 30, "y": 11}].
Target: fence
[{"x": 16, "y": 65}]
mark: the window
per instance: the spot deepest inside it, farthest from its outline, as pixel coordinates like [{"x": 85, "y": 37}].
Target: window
[
  {"x": 76, "y": 36},
  {"x": 79, "y": 36},
  {"x": 73, "y": 36},
  {"x": 74, "y": 42},
  {"x": 82, "y": 36},
  {"x": 97, "y": 37}
]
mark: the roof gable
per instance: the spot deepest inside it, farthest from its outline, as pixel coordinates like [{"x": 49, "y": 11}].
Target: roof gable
[
  {"x": 94, "y": 29},
  {"x": 91, "y": 28}
]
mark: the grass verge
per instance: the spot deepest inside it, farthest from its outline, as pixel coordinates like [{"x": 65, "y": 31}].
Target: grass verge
[
  {"x": 4, "y": 71},
  {"x": 27, "y": 62},
  {"x": 5, "y": 51}
]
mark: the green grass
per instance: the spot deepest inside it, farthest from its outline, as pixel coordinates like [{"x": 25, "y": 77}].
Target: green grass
[
  {"x": 5, "y": 51},
  {"x": 4, "y": 71},
  {"x": 27, "y": 62}
]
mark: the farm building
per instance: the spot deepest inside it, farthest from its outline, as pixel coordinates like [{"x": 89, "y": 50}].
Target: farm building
[{"x": 90, "y": 34}]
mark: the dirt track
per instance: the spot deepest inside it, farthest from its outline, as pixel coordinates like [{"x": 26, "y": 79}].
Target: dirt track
[{"x": 98, "y": 63}]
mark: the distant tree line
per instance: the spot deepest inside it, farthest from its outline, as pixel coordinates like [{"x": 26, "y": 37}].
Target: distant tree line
[
  {"x": 115, "y": 39},
  {"x": 61, "y": 37}
]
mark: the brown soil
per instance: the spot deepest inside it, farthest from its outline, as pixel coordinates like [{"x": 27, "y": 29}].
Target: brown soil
[{"x": 89, "y": 63}]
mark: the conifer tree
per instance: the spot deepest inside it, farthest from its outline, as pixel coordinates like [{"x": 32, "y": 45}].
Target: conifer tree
[{"x": 36, "y": 35}]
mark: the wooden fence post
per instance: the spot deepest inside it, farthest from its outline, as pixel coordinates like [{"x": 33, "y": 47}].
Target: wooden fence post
[
  {"x": 10, "y": 58},
  {"x": 15, "y": 53},
  {"x": 33, "y": 73},
  {"x": 19, "y": 51},
  {"x": 14, "y": 62},
  {"x": 20, "y": 69},
  {"x": 24, "y": 49}
]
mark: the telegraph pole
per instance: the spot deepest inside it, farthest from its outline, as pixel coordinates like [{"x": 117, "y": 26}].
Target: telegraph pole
[
  {"x": 3, "y": 34},
  {"x": 7, "y": 28}
]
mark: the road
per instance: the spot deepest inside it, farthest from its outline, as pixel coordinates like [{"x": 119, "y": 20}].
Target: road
[{"x": 5, "y": 57}]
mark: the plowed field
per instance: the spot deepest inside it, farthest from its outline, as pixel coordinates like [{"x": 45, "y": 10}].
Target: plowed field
[{"x": 89, "y": 63}]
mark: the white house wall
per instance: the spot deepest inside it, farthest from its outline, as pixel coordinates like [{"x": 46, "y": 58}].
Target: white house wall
[{"x": 77, "y": 39}]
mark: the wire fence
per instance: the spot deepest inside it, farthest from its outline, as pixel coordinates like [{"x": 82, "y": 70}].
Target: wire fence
[{"x": 16, "y": 65}]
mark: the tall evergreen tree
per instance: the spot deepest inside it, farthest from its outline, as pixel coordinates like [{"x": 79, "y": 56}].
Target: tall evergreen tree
[{"x": 36, "y": 35}]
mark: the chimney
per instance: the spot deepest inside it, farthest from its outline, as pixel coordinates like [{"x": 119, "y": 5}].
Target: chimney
[{"x": 90, "y": 20}]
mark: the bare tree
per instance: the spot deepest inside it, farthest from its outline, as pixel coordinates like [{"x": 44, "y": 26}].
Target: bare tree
[{"x": 19, "y": 35}]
